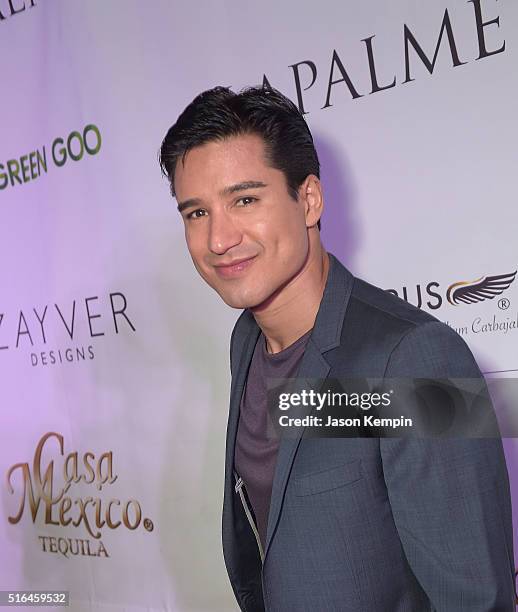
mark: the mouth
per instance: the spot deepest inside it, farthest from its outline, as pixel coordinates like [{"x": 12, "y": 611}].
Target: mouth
[{"x": 235, "y": 268}]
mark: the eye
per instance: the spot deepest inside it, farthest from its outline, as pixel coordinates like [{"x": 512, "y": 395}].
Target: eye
[
  {"x": 194, "y": 214},
  {"x": 246, "y": 203}
]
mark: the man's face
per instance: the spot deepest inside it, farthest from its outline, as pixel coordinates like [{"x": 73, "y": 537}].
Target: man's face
[{"x": 247, "y": 237}]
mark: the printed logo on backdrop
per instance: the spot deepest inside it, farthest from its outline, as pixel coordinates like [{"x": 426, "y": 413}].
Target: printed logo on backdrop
[
  {"x": 493, "y": 292},
  {"x": 61, "y": 333},
  {"x": 486, "y": 288},
  {"x": 10, "y": 8},
  {"x": 342, "y": 78},
  {"x": 48, "y": 492},
  {"x": 63, "y": 150}
]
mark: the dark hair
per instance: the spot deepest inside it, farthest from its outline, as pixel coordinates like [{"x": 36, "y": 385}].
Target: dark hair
[{"x": 219, "y": 113}]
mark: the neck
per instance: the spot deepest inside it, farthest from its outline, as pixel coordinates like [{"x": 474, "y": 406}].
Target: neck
[{"x": 292, "y": 311}]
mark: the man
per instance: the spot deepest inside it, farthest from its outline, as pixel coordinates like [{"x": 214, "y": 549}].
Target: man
[{"x": 326, "y": 524}]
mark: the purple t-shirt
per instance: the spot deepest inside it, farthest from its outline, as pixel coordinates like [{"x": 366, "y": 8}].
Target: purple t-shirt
[{"x": 256, "y": 453}]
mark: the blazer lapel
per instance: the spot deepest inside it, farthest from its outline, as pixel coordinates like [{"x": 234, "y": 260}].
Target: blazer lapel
[
  {"x": 240, "y": 364},
  {"x": 324, "y": 337}
]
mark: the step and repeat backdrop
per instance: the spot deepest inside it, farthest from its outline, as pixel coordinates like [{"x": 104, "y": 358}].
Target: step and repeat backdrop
[{"x": 114, "y": 374}]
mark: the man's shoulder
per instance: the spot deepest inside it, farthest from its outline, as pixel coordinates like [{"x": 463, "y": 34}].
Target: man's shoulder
[
  {"x": 368, "y": 305},
  {"x": 370, "y": 301},
  {"x": 413, "y": 340}
]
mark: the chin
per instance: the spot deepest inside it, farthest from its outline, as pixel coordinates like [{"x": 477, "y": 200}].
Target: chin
[
  {"x": 241, "y": 301},
  {"x": 235, "y": 302}
]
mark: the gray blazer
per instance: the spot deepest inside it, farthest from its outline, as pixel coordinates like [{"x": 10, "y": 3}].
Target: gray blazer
[{"x": 372, "y": 524}]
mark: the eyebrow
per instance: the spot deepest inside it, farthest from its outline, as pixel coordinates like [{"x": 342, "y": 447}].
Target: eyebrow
[{"x": 243, "y": 186}]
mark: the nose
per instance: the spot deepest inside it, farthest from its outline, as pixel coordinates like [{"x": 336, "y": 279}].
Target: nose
[{"x": 223, "y": 234}]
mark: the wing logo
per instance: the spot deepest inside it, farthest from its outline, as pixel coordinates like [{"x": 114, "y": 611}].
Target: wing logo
[{"x": 484, "y": 288}]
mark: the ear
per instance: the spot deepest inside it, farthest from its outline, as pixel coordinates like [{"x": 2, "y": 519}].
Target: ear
[{"x": 310, "y": 192}]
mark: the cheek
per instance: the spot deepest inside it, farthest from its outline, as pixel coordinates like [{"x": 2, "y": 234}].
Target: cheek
[
  {"x": 289, "y": 234},
  {"x": 292, "y": 222},
  {"x": 194, "y": 241},
  {"x": 279, "y": 227}
]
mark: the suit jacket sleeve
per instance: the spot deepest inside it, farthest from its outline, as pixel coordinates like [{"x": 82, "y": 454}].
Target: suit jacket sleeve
[{"x": 450, "y": 497}]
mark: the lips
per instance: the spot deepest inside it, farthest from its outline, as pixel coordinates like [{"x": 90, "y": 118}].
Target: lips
[{"x": 234, "y": 269}]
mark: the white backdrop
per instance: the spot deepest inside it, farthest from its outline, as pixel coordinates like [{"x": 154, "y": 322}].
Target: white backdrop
[{"x": 110, "y": 340}]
